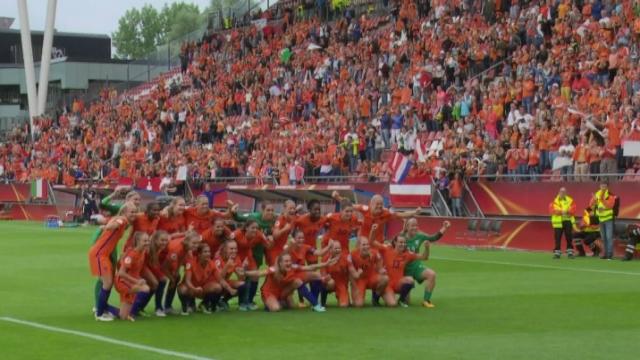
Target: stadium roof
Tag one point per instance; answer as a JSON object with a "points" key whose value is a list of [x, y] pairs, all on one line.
{"points": [[56, 33]]}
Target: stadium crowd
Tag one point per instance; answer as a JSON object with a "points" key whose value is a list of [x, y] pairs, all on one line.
{"points": [[475, 87]]}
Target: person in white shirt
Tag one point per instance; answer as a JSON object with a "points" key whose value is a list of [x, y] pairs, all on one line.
{"points": [[564, 160]]}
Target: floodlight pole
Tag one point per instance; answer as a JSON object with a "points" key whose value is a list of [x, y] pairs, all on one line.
{"points": [[27, 56], [45, 62]]}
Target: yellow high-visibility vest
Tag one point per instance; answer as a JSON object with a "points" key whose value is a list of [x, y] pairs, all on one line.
{"points": [[586, 223], [603, 213], [562, 205]]}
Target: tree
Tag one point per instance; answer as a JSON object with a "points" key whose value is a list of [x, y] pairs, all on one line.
{"points": [[180, 19], [142, 31]]}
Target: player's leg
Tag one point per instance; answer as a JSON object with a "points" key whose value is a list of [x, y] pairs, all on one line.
{"points": [[358, 288], [328, 286], [212, 293], [429, 276], [591, 239], [185, 298], [311, 295], [106, 276], [271, 303], [378, 287], [342, 293], [404, 289], [174, 278], [141, 296]]}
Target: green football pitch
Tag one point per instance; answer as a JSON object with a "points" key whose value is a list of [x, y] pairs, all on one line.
{"points": [[490, 305]]}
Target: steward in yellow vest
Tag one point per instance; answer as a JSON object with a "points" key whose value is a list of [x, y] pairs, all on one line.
{"points": [[562, 210], [587, 233], [603, 202]]}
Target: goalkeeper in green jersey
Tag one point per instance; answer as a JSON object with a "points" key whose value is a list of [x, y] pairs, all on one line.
{"points": [[417, 269]]}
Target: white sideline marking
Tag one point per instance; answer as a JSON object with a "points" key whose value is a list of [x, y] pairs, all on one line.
{"points": [[539, 266], [105, 339]]}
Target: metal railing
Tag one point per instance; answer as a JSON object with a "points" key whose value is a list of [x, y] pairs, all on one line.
{"points": [[439, 203], [557, 177]]}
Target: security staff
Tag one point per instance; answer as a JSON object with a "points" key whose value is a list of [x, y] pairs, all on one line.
{"points": [[562, 211], [587, 233], [603, 202], [634, 239]]}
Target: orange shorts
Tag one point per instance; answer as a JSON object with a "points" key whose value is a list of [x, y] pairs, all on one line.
{"points": [[124, 289], [393, 286], [100, 264], [266, 293], [370, 283]]}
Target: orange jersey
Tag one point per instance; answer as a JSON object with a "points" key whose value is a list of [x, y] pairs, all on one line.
{"points": [[108, 239], [339, 271], [172, 224], [201, 222], [302, 254], [310, 228], [280, 241], [201, 275], [141, 223], [369, 264], [132, 263], [227, 268], [369, 219], [340, 230], [177, 255], [215, 241], [245, 245], [394, 262], [274, 283]]}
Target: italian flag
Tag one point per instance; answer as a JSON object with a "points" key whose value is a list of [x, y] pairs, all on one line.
{"points": [[39, 189]]}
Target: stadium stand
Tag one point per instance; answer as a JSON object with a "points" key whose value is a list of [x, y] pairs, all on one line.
{"points": [[487, 89]]}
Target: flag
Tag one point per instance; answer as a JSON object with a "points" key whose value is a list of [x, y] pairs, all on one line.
{"points": [[413, 192], [39, 189], [400, 166], [422, 150]]}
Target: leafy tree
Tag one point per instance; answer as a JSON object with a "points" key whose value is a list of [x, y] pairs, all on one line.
{"points": [[142, 31]]}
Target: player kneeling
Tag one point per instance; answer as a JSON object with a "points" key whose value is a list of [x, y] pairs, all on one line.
{"points": [[366, 272], [133, 289], [395, 258], [283, 279], [336, 277], [201, 280], [228, 264]]}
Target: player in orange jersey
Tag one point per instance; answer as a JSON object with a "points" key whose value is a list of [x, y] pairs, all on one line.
{"points": [[375, 213], [155, 259], [282, 279], [247, 238], [365, 265], [172, 219], [302, 254], [201, 280], [133, 289], [99, 257], [146, 222], [395, 257], [178, 253], [216, 235], [311, 223], [336, 277], [281, 231], [229, 264], [200, 217], [341, 225]]}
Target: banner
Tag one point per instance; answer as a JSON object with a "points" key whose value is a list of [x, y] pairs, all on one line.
{"points": [[39, 189], [631, 148], [412, 193]]}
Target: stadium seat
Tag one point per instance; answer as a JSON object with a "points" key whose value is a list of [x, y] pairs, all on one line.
{"points": [[496, 227]]}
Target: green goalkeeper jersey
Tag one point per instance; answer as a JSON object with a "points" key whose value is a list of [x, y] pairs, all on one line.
{"points": [[414, 243]]}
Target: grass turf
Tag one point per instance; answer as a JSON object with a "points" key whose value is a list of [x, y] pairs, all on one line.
{"points": [[490, 305]]}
